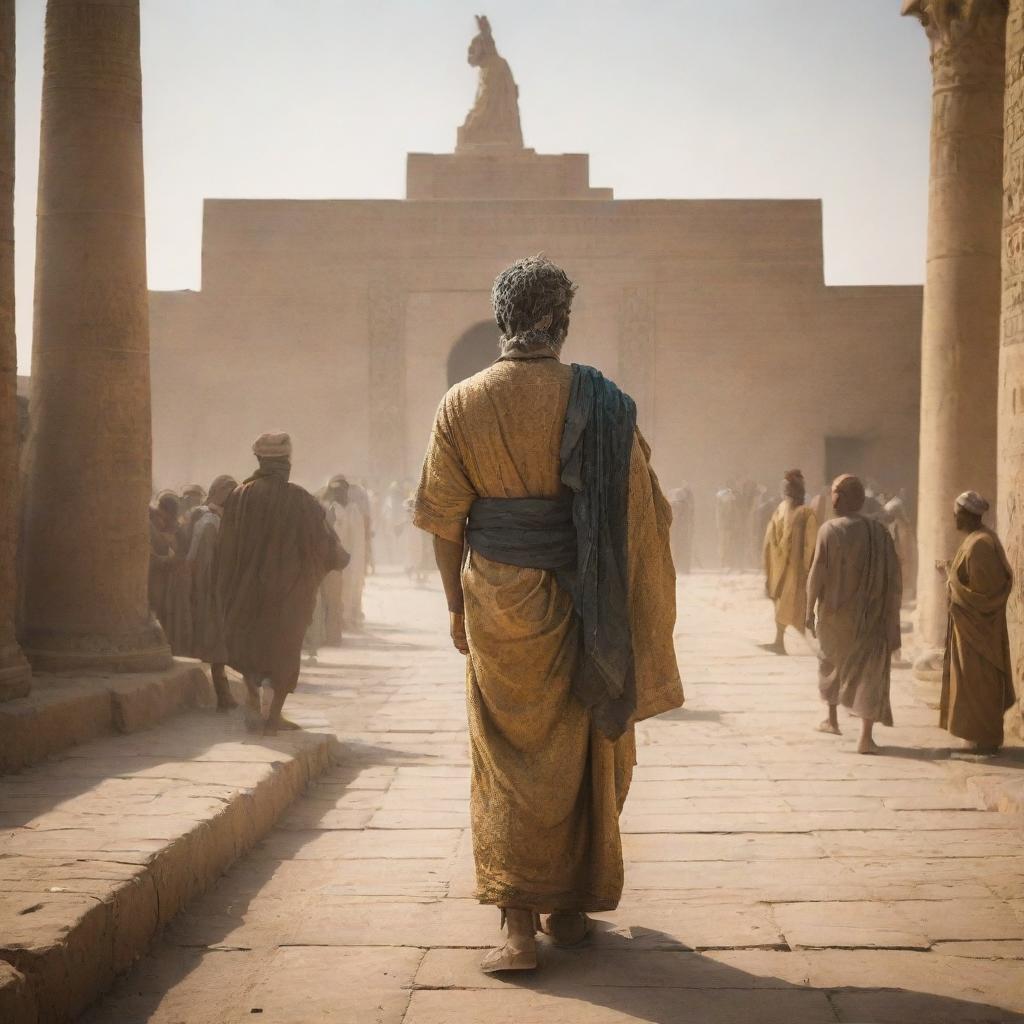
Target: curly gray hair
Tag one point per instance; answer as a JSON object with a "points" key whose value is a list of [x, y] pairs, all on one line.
{"points": [[532, 300]]}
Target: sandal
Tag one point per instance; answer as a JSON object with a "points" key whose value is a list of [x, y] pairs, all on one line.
{"points": [[506, 958], [567, 927]]}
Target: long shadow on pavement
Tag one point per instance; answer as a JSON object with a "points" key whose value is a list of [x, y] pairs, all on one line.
{"points": [[647, 976]]}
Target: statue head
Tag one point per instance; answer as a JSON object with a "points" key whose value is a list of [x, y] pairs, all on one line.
{"points": [[482, 45], [532, 301]]}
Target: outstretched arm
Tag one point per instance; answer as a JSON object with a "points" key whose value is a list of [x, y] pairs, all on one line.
{"points": [[449, 554]]}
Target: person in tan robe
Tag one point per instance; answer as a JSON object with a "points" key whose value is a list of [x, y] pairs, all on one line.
{"points": [[549, 775], [977, 676], [788, 551], [273, 550], [855, 587]]}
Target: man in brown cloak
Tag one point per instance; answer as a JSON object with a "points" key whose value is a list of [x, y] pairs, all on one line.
{"points": [[855, 585], [977, 677], [273, 550]]}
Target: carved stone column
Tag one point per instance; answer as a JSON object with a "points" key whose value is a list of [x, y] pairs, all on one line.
{"points": [[14, 671], [89, 483], [960, 337], [1011, 351]]}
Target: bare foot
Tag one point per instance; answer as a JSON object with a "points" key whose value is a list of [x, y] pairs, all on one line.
{"points": [[868, 747], [774, 649], [827, 726], [279, 724]]}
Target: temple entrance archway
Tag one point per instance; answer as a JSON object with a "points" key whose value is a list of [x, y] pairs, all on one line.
{"points": [[473, 352]]}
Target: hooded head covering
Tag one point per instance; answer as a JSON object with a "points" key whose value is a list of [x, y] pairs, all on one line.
{"points": [[971, 501], [852, 489], [275, 445], [221, 488]]}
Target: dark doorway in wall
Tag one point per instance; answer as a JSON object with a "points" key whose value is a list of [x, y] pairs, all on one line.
{"points": [[473, 352], [845, 455]]}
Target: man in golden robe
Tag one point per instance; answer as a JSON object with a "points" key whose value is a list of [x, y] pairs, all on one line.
{"points": [[788, 552], [854, 584], [552, 537], [977, 677]]}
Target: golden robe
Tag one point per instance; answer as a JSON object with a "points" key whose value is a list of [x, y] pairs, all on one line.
{"points": [[789, 545], [977, 678], [546, 786]]}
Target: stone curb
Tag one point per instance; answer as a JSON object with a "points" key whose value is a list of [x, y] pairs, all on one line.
{"points": [[64, 962], [64, 711], [995, 792]]}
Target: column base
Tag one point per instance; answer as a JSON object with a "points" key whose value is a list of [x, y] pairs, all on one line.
{"points": [[145, 650], [15, 674], [928, 676]]}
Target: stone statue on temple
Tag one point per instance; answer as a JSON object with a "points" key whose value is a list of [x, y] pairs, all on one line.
{"points": [[494, 119]]}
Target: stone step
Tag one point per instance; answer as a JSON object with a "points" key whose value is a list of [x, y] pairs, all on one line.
{"points": [[101, 847], [65, 710]]}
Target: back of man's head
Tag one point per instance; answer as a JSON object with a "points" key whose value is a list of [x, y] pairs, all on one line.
{"points": [[847, 494]]}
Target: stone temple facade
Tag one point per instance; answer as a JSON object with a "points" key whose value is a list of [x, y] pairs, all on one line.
{"points": [[344, 322]]}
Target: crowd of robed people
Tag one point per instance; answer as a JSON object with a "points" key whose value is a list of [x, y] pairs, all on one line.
{"points": [[553, 541], [250, 576], [841, 578]]}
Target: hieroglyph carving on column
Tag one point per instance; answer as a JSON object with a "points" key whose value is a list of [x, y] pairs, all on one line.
{"points": [[960, 331], [14, 671], [1011, 355], [637, 348], [386, 312], [89, 451]]}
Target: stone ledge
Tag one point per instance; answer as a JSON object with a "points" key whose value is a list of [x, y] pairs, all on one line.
{"points": [[64, 710], [101, 848], [17, 1000]]}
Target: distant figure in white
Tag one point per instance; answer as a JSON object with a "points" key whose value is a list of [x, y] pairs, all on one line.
{"points": [[348, 520]]}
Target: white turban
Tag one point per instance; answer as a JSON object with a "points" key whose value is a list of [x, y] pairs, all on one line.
{"points": [[272, 446], [972, 501]]}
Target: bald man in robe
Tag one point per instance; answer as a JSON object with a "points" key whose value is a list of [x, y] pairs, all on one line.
{"points": [[854, 591], [788, 551], [977, 677]]}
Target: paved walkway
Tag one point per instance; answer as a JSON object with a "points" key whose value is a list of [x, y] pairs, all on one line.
{"points": [[773, 875]]}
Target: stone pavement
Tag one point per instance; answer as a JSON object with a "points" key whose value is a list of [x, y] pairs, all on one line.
{"points": [[773, 875]]}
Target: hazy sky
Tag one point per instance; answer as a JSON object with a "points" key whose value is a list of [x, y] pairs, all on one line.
{"points": [[672, 98]]}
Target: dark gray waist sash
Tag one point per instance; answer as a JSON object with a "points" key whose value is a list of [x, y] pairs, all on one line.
{"points": [[532, 533]]}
